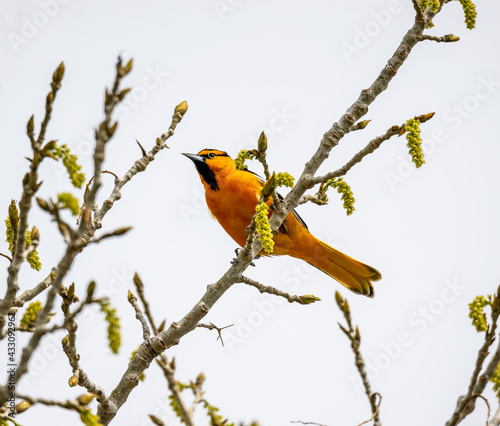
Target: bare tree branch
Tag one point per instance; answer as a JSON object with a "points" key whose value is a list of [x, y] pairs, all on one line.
{"points": [[146, 333], [303, 300], [172, 335], [368, 149], [168, 368], [69, 346], [68, 403], [89, 226], [376, 411], [354, 336], [39, 288], [478, 381], [30, 186], [140, 291]]}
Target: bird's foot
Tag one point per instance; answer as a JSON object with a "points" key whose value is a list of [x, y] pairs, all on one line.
{"points": [[235, 260]]}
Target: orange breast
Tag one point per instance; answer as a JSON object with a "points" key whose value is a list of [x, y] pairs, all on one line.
{"points": [[233, 205]]}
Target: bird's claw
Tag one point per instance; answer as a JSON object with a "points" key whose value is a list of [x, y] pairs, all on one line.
{"points": [[236, 260]]}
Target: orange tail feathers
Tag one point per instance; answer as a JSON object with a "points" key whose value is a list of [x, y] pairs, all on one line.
{"points": [[349, 272]]}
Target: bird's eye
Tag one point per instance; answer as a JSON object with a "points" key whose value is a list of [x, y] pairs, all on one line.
{"points": [[211, 155]]}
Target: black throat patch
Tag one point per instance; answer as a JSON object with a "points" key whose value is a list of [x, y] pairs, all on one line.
{"points": [[207, 174]]}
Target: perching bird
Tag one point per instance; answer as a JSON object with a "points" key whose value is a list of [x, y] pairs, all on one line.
{"points": [[232, 196]]}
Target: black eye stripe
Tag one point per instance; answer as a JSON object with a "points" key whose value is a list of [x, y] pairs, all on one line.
{"points": [[213, 154]]}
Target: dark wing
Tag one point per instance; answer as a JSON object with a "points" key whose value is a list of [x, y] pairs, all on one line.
{"points": [[294, 212]]}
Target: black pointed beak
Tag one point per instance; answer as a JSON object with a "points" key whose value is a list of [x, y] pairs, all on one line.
{"points": [[194, 157]]}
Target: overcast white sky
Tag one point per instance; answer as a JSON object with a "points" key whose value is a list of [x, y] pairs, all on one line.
{"points": [[292, 68]]}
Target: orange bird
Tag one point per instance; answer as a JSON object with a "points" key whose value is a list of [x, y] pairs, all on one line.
{"points": [[232, 196]]}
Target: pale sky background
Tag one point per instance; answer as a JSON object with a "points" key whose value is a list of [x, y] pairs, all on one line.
{"points": [[291, 67]]}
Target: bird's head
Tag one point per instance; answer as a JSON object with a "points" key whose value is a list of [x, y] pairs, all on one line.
{"points": [[212, 164]]}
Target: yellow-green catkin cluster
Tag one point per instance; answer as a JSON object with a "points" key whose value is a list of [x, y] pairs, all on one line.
{"points": [[242, 156], [344, 189], [175, 406], [433, 4], [414, 141], [495, 379], [284, 179], [469, 13], [33, 258], [263, 227], [11, 226], [30, 316], [476, 312], [70, 162], [66, 200], [114, 337], [88, 418]]}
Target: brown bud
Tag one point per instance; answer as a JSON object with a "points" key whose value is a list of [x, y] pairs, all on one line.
{"points": [[346, 308], [339, 299], [71, 292], [131, 298], [451, 38], [43, 204], [138, 282], [181, 108], [121, 231], [22, 406], [262, 143], [123, 93], [309, 298], [85, 399], [58, 73], [200, 380], [111, 130], [30, 125], [362, 124], [156, 420], [35, 235], [128, 66], [90, 289]]}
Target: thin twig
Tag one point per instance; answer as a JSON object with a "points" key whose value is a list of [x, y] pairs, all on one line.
{"points": [[319, 199], [303, 300], [478, 381], [495, 421], [162, 361], [7, 257], [354, 336], [448, 38], [146, 333], [487, 405], [169, 371], [376, 411], [30, 186], [212, 326], [68, 404], [139, 285], [39, 288], [69, 348]]}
